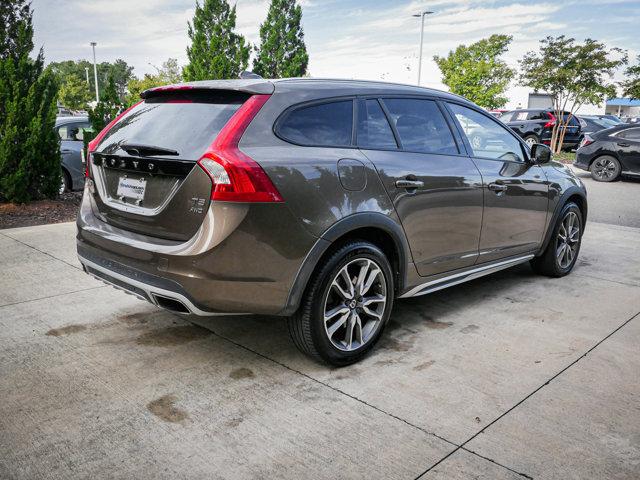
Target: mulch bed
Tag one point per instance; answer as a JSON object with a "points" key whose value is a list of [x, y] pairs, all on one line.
{"points": [[40, 212]]}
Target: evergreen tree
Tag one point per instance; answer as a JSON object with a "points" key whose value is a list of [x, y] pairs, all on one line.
{"points": [[29, 148], [216, 50], [282, 52]]}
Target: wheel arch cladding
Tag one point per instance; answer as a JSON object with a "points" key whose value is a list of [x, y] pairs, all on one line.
{"points": [[572, 194], [375, 228]]}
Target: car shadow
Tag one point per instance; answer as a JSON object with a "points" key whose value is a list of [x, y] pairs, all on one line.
{"points": [[269, 336]]}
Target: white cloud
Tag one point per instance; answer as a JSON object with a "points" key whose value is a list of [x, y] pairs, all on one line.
{"points": [[365, 39]]}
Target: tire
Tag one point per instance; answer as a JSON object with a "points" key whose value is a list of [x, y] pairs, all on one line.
{"points": [[550, 263], [605, 169], [531, 139], [327, 342], [65, 183]]}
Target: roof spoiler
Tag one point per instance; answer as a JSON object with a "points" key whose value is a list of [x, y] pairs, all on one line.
{"points": [[253, 86]]}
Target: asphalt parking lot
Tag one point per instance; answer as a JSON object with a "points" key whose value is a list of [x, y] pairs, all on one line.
{"points": [[510, 376]]}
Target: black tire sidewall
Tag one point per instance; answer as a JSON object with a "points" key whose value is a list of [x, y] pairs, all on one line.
{"points": [[569, 207], [347, 254]]}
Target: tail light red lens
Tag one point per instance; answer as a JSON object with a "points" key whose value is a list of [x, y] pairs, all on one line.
{"points": [[586, 140], [552, 120], [93, 144], [235, 176]]}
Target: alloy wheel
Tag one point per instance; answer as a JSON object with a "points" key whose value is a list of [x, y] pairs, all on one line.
{"points": [[568, 240], [63, 186], [604, 168], [530, 141], [355, 304]]}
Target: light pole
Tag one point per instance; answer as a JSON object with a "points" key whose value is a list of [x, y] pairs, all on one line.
{"points": [[95, 70], [421, 15], [86, 73]]}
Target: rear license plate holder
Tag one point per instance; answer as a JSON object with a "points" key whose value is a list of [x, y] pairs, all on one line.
{"points": [[131, 188]]}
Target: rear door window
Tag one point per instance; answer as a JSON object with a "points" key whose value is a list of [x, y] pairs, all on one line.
{"points": [[187, 122], [324, 125], [506, 117], [374, 130], [520, 116], [73, 131], [421, 126], [631, 134]]}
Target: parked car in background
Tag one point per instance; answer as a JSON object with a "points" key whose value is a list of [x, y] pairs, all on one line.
{"points": [[594, 123], [613, 118], [319, 200], [536, 126], [497, 112], [632, 119], [71, 132], [610, 153]]}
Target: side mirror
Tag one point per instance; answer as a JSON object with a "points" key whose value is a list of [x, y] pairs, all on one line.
{"points": [[540, 154]]}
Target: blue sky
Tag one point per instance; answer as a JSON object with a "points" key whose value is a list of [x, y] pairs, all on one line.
{"points": [[365, 39]]}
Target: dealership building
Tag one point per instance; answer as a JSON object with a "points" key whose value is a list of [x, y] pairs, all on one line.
{"points": [[623, 107]]}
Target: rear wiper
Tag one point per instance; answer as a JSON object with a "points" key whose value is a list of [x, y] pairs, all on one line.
{"points": [[141, 150]]}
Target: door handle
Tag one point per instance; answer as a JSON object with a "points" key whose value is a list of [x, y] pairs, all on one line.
{"points": [[65, 150], [409, 184], [497, 187], [622, 144]]}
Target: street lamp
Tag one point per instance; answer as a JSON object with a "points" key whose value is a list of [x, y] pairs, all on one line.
{"points": [[421, 15], [86, 74], [95, 70]]}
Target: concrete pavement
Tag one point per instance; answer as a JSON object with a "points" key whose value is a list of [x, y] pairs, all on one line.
{"points": [[510, 376], [616, 203]]}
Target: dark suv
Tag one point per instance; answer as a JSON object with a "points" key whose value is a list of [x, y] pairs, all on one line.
{"points": [[319, 200], [536, 126]]}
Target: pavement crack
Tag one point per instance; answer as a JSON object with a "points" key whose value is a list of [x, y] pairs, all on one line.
{"points": [[41, 251], [335, 389], [606, 279], [52, 296], [505, 413]]}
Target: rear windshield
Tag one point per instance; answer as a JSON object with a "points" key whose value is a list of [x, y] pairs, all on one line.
{"points": [[186, 122]]}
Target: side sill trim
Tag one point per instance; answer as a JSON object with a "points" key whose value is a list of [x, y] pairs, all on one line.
{"points": [[462, 277], [150, 290]]}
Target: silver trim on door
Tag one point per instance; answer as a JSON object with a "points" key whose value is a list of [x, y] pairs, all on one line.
{"points": [[455, 279]]}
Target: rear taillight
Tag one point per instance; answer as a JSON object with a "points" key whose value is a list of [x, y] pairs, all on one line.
{"points": [[93, 144], [586, 140], [235, 176], [552, 120]]}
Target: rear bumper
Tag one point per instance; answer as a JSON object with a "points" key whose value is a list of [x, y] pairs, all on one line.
{"points": [[244, 259], [170, 296], [583, 159]]}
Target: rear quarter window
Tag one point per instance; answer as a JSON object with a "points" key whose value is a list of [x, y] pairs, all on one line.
{"points": [[324, 125]]}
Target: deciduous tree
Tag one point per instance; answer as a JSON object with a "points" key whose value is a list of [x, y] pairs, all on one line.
{"points": [[573, 74], [282, 51], [477, 72], [167, 74], [631, 86], [216, 50]]}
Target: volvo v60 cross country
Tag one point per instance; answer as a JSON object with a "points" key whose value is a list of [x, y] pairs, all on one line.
{"points": [[319, 200]]}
